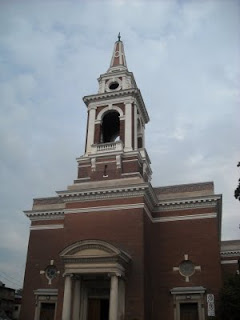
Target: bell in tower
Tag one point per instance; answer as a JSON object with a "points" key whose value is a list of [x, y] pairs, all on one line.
{"points": [[115, 144]]}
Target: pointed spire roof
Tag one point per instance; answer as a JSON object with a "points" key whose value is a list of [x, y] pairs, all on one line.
{"points": [[118, 60]]}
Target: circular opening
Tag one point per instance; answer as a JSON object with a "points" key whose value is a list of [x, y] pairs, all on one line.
{"points": [[113, 85], [51, 272], [187, 268]]}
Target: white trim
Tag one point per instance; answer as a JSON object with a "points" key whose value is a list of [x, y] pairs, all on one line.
{"points": [[204, 199], [91, 129], [110, 101], [186, 217], [230, 253], [130, 160], [135, 127], [105, 208], [109, 161], [128, 126], [229, 262], [130, 174], [47, 227], [83, 165], [82, 179], [110, 107]]}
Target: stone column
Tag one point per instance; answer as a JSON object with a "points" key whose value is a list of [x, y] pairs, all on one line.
{"points": [[113, 303], [135, 127], [91, 128], [76, 299], [84, 303], [66, 312], [128, 126], [121, 299]]}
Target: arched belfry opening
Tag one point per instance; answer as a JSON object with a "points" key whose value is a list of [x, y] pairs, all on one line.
{"points": [[110, 127]]}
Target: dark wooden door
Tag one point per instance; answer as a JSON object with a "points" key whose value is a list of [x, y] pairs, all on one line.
{"points": [[47, 311], [188, 311], [98, 309], [94, 309]]}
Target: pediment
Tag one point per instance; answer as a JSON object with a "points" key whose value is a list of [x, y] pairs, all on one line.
{"points": [[90, 249], [94, 256], [91, 252]]}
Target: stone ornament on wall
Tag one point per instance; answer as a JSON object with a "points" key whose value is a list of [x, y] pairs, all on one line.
{"points": [[50, 272], [187, 268], [211, 306]]}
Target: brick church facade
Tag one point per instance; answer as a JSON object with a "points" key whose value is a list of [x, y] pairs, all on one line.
{"points": [[112, 246]]}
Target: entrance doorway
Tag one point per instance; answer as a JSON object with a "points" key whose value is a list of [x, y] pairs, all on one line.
{"points": [[47, 311], [189, 311], [98, 309]]}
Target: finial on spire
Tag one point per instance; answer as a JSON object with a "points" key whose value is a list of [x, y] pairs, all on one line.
{"points": [[118, 58]]}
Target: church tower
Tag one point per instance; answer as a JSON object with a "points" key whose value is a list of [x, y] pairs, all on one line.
{"points": [[115, 142], [111, 246]]}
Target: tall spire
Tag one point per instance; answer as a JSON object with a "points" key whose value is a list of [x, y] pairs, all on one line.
{"points": [[118, 60]]}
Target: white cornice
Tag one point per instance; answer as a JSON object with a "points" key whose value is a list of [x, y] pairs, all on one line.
{"points": [[229, 262], [179, 204], [230, 253], [47, 227], [44, 215], [103, 193], [186, 217], [105, 208]]}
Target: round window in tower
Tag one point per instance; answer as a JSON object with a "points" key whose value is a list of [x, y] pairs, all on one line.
{"points": [[113, 85]]}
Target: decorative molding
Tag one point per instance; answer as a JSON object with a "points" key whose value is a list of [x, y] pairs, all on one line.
{"points": [[186, 217], [130, 160], [105, 208], [187, 290], [180, 204], [46, 292], [110, 107], [134, 93], [45, 215], [230, 253], [103, 193], [47, 227], [229, 261]]}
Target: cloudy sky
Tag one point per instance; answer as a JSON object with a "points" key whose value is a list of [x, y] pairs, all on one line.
{"points": [[185, 58]]}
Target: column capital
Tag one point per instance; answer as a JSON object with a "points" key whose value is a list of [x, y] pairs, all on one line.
{"points": [[92, 107], [65, 274], [117, 274], [76, 276], [129, 101]]}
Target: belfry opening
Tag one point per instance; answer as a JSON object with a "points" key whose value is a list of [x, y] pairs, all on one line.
{"points": [[110, 127]]}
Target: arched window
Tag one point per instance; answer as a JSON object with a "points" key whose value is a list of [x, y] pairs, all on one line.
{"points": [[110, 127]]}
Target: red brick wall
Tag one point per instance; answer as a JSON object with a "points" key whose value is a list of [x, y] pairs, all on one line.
{"points": [[170, 241], [155, 249], [44, 246]]}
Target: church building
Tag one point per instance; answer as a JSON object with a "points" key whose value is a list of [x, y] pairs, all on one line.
{"points": [[112, 246]]}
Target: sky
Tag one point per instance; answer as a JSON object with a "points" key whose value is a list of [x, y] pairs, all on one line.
{"points": [[185, 56]]}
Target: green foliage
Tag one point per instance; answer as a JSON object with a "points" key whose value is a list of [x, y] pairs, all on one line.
{"points": [[230, 298], [237, 191]]}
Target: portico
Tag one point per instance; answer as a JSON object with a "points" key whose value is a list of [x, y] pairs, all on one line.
{"points": [[94, 285]]}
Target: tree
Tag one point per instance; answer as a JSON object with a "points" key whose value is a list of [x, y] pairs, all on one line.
{"points": [[237, 191], [230, 298]]}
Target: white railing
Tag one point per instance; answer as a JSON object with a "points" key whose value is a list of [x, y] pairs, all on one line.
{"points": [[107, 147]]}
